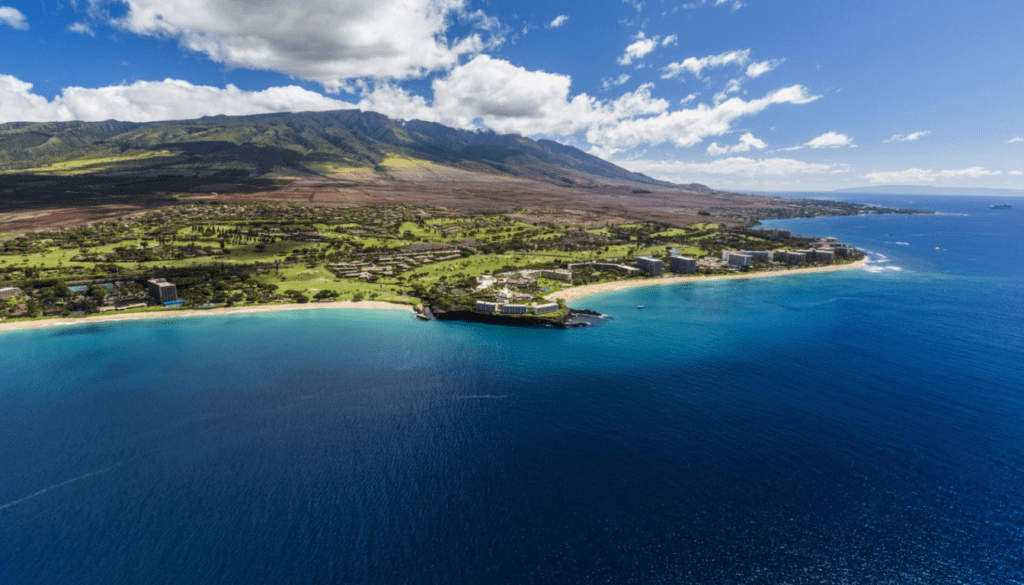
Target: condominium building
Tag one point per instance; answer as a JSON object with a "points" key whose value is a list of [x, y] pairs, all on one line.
{"points": [[827, 256], [486, 307], [515, 309], [8, 292], [558, 274], [682, 265], [164, 291], [790, 257], [741, 260], [778, 233], [650, 265], [547, 308]]}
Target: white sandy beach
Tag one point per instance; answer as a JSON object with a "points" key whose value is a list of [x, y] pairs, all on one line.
{"points": [[569, 295], [177, 313], [579, 292]]}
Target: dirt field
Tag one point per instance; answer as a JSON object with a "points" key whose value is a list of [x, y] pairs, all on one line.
{"points": [[29, 203]]}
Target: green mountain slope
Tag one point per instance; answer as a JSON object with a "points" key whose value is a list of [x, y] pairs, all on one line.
{"points": [[311, 143]]}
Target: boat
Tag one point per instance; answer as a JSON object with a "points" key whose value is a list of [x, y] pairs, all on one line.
{"points": [[1002, 206], [639, 306]]}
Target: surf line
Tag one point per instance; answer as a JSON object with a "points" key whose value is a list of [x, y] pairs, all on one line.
{"points": [[55, 486]]}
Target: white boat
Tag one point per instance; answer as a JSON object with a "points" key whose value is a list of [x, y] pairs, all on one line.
{"points": [[639, 306]]}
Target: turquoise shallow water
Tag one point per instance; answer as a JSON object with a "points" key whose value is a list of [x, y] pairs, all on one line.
{"points": [[851, 427]]}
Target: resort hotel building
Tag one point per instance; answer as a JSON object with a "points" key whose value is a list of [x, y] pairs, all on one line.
{"points": [[650, 265], [164, 291]]}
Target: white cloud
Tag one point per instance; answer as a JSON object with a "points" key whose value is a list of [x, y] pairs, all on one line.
{"points": [[736, 5], [826, 140], [83, 28], [918, 174], [610, 83], [909, 137], [760, 68], [146, 101], [747, 142], [1014, 140], [733, 86], [670, 40], [830, 140], [970, 173], [13, 18], [695, 65], [639, 49], [1016, 173], [688, 127], [508, 98], [328, 41], [21, 105], [558, 21], [397, 103], [495, 94], [685, 172]]}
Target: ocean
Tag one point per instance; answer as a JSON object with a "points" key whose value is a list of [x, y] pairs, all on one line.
{"points": [[861, 426]]}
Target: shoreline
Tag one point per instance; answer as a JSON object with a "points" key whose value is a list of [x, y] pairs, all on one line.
{"points": [[578, 292], [179, 313]]}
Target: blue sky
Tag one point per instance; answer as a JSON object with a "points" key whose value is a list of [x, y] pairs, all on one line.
{"points": [[739, 94]]}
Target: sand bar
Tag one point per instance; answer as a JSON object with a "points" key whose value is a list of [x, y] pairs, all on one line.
{"points": [[579, 292], [177, 313]]}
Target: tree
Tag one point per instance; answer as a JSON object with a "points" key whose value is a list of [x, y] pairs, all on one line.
{"points": [[97, 292]]}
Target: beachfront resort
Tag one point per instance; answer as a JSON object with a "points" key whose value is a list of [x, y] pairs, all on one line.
{"points": [[214, 255]]}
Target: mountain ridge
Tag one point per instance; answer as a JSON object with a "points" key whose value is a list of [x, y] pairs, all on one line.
{"points": [[303, 144]]}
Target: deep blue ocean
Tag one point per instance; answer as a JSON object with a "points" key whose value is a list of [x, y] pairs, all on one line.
{"points": [[864, 426]]}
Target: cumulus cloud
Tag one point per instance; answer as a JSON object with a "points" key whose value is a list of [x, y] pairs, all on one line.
{"points": [[688, 99], [738, 58], [909, 137], [639, 49], [610, 83], [147, 101], [826, 140], [697, 64], [739, 166], [1014, 140], [495, 94], [395, 102], [747, 142], [13, 18], [760, 68], [733, 86], [82, 28], [830, 140], [688, 127], [670, 40], [918, 174], [508, 98], [328, 41], [558, 21], [1015, 173]]}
